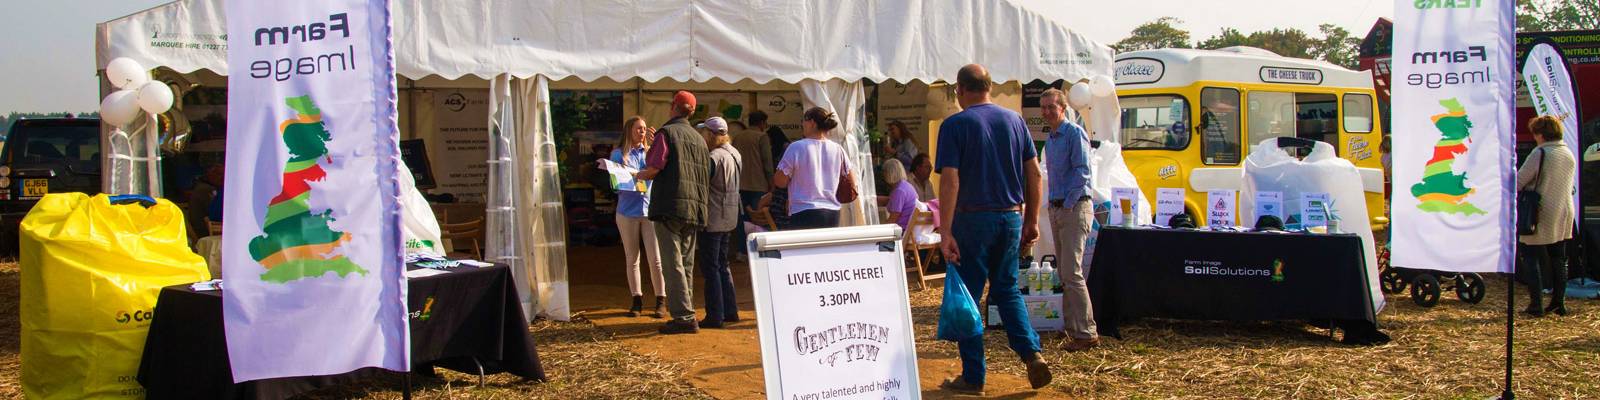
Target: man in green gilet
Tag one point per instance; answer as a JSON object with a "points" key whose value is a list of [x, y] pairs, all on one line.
{"points": [[678, 161]]}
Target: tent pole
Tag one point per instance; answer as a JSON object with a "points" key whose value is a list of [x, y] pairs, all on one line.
{"points": [[1511, 300]]}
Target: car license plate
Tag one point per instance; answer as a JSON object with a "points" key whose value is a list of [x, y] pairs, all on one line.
{"points": [[35, 187]]}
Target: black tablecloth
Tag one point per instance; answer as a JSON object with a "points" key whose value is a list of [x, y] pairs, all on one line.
{"points": [[474, 317], [1204, 275], [1589, 236]]}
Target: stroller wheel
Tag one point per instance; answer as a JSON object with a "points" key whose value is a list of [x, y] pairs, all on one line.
{"points": [[1425, 290], [1391, 281], [1470, 288]]}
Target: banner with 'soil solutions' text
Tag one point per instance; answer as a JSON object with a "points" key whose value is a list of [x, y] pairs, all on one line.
{"points": [[311, 244], [1454, 177]]}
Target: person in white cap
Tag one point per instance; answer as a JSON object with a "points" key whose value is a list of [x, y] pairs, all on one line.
{"points": [[722, 215]]}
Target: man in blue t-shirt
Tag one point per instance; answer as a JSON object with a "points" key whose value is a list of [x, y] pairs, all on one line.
{"points": [[990, 190]]}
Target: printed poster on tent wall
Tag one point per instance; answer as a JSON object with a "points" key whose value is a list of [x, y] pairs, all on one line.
{"points": [[1454, 173], [312, 249], [784, 110], [461, 145]]}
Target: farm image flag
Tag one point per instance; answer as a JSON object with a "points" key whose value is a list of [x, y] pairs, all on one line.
{"points": [[312, 250], [1454, 173]]}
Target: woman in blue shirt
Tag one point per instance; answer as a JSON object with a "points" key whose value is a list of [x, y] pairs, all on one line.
{"points": [[632, 223]]}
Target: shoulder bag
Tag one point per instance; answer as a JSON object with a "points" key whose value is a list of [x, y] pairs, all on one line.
{"points": [[1528, 202]]}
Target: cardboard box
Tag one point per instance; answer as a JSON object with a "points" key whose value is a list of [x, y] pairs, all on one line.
{"points": [[1044, 312]]}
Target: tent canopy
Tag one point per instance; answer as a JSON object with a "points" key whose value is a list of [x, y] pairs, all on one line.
{"points": [[733, 40], [825, 47]]}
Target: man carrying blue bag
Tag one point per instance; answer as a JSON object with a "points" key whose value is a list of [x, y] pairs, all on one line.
{"points": [[987, 148]]}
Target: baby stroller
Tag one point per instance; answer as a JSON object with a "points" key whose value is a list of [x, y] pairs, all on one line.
{"points": [[1427, 285]]}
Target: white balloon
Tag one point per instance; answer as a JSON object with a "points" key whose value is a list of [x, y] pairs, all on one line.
{"points": [[119, 107], [125, 73], [1103, 86], [1079, 95], [155, 97]]}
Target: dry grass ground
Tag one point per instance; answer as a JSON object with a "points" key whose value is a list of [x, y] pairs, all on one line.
{"points": [[1453, 350]]}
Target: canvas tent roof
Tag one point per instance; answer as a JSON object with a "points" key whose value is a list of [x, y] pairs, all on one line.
{"points": [[733, 40]]}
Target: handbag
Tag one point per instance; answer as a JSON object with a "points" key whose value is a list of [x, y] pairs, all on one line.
{"points": [[846, 192], [1528, 202]]}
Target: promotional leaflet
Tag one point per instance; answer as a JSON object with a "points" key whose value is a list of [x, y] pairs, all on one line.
{"points": [[1314, 210], [1169, 202], [1269, 203], [1220, 208], [1124, 202]]}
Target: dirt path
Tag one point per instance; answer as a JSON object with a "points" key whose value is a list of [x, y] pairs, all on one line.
{"points": [[726, 363]]}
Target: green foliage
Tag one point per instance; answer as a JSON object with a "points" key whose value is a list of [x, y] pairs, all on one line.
{"points": [[569, 115], [1159, 34], [1337, 46], [1557, 15]]}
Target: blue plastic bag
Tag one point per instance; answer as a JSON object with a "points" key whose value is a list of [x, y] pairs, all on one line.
{"points": [[959, 318]]}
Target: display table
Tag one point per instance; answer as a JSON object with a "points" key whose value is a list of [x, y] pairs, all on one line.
{"points": [[1233, 276], [459, 320], [1589, 235]]}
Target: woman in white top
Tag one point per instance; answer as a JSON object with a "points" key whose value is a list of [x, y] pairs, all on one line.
{"points": [[810, 170]]}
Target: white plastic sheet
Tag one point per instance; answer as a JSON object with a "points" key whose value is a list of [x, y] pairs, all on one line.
{"points": [[1270, 168], [418, 226]]}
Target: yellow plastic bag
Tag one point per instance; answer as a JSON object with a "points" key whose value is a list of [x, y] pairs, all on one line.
{"points": [[90, 275]]}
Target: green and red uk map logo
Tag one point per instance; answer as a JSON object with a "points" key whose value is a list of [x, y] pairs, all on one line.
{"points": [[297, 243], [1442, 190]]}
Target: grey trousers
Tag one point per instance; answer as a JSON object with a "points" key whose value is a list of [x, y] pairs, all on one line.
{"points": [[1072, 226], [677, 247]]}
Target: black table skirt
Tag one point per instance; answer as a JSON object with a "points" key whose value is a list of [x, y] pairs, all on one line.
{"points": [[1233, 276], [474, 319]]}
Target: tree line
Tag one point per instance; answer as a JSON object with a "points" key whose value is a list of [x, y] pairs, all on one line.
{"points": [[1335, 44], [7, 120]]}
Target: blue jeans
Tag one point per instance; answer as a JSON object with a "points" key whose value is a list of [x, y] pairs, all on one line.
{"points": [[720, 302], [988, 244]]}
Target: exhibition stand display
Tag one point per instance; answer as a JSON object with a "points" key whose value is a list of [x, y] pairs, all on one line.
{"points": [[519, 50], [466, 319], [1232, 276]]}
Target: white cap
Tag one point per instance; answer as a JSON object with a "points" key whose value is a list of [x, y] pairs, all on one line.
{"points": [[715, 124]]}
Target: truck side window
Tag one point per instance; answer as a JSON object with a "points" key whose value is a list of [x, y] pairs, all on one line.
{"points": [[1219, 126], [1357, 113]]}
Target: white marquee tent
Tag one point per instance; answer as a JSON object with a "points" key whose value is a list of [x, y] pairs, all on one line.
{"points": [[519, 49]]}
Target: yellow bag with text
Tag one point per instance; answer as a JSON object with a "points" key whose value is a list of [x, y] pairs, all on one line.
{"points": [[90, 275]]}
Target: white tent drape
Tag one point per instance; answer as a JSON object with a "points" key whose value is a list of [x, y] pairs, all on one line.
{"points": [[526, 223], [849, 101]]}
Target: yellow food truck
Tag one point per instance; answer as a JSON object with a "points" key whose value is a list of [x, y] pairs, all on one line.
{"points": [[1189, 117]]}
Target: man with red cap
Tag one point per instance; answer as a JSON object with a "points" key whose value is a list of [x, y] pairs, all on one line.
{"points": [[679, 162]]}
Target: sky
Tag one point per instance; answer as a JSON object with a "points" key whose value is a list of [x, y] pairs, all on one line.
{"points": [[47, 60]]}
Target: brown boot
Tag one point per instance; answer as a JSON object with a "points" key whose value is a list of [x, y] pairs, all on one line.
{"points": [[960, 386], [1038, 371], [661, 307], [1074, 344]]}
